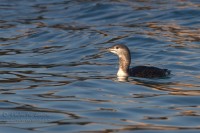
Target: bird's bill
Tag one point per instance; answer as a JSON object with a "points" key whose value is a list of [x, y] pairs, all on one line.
{"points": [[112, 50]]}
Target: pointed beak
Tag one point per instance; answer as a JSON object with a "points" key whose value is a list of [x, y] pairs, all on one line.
{"points": [[111, 49], [106, 49]]}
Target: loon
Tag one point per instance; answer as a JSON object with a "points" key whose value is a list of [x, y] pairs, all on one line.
{"points": [[139, 71]]}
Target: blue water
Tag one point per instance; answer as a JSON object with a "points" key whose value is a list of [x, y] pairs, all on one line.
{"points": [[55, 78]]}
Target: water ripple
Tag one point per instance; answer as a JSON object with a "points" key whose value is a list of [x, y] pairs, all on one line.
{"points": [[55, 77]]}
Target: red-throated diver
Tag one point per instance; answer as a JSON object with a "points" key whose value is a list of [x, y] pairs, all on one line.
{"points": [[139, 71]]}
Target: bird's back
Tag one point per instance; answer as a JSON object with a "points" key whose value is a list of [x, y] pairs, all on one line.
{"points": [[148, 72]]}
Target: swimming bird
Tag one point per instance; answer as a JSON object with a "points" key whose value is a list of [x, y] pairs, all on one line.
{"points": [[124, 55]]}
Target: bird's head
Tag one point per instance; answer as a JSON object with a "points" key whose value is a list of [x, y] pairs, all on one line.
{"points": [[120, 50]]}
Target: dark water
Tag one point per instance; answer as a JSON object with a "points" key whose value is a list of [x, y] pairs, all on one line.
{"points": [[54, 77]]}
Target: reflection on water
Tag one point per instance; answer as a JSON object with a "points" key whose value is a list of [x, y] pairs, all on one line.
{"points": [[55, 77], [180, 35]]}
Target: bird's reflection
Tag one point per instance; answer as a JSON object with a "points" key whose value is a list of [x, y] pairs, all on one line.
{"points": [[122, 79], [173, 88]]}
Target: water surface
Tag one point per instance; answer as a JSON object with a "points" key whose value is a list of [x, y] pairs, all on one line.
{"points": [[55, 78]]}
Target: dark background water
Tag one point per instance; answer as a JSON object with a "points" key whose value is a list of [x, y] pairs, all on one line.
{"points": [[54, 77]]}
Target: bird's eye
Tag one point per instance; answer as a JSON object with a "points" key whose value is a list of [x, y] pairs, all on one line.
{"points": [[116, 47]]}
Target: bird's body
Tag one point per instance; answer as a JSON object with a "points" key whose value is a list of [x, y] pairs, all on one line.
{"points": [[139, 71], [148, 72]]}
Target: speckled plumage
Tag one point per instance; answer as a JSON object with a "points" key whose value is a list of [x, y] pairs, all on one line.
{"points": [[139, 71], [148, 72]]}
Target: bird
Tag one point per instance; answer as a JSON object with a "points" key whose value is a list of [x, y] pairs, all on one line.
{"points": [[123, 52]]}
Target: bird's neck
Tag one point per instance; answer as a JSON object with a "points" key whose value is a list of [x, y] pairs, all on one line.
{"points": [[124, 62]]}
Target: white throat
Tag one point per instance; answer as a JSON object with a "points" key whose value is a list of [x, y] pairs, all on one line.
{"points": [[121, 73]]}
